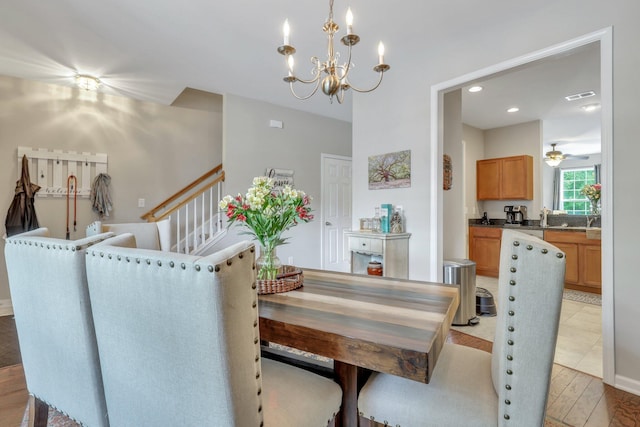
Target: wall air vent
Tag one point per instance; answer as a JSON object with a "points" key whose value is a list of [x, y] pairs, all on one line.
{"points": [[580, 95]]}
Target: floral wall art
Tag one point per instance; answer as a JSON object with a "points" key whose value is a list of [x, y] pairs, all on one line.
{"points": [[391, 170]]}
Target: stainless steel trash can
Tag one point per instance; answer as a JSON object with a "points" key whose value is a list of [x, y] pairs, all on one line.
{"points": [[462, 272]]}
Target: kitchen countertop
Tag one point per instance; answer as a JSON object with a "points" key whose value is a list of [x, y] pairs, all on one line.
{"points": [[531, 225]]}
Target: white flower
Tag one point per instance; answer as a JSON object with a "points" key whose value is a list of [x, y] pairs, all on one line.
{"points": [[225, 202]]}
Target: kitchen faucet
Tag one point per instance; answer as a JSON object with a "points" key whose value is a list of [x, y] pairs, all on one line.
{"points": [[590, 221]]}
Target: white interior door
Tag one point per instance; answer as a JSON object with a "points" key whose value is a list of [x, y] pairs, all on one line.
{"points": [[336, 212]]}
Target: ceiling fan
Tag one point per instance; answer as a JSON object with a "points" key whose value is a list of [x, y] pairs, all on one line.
{"points": [[554, 157]]}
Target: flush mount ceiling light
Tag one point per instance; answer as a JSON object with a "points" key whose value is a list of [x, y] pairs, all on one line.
{"points": [[474, 89], [87, 82], [554, 157], [336, 76], [513, 110]]}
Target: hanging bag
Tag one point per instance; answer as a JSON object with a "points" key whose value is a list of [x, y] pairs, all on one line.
{"points": [[21, 215]]}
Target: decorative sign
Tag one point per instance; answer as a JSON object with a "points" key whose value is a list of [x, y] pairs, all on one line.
{"points": [[281, 177], [392, 170]]}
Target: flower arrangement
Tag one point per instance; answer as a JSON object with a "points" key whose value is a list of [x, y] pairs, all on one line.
{"points": [[267, 212], [592, 192]]}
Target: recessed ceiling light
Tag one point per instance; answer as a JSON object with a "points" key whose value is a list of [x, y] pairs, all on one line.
{"points": [[590, 107], [577, 96], [474, 89], [87, 82], [513, 110]]}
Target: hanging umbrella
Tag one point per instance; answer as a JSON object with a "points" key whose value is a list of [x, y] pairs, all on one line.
{"points": [[21, 216]]}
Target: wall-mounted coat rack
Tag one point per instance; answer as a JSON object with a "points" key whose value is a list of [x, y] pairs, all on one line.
{"points": [[50, 169]]}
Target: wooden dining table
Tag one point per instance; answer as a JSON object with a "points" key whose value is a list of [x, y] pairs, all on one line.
{"points": [[365, 324]]}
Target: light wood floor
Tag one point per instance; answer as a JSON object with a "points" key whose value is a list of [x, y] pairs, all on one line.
{"points": [[575, 398], [579, 344]]}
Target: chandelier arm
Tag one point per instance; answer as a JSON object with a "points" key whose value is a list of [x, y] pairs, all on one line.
{"points": [[366, 90], [302, 98], [347, 67], [317, 71], [316, 79]]}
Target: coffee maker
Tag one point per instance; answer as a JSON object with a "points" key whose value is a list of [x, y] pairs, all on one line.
{"points": [[515, 214]]}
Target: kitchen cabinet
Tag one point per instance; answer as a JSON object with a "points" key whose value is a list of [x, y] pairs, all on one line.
{"points": [[505, 178], [391, 249], [583, 257], [484, 250]]}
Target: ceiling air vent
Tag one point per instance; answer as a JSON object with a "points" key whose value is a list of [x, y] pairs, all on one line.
{"points": [[580, 95]]}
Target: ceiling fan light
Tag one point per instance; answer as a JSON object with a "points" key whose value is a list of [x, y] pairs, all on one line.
{"points": [[553, 162]]}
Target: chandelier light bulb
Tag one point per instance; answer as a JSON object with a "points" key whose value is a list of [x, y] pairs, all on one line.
{"points": [[286, 31], [349, 21], [381, 53], [290, 63]]}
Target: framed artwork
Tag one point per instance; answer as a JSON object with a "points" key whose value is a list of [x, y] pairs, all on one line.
{"points": [[447, 171], [391, 170]]}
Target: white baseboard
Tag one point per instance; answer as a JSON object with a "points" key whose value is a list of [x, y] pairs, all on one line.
{"points": [[628, 385], [6, 309]]}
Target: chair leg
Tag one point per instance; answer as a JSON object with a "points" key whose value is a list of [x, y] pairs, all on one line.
{"points": [[38, 412]]}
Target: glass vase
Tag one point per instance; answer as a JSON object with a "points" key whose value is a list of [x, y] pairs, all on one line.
{"points": [[595, 207], [268, 264]]}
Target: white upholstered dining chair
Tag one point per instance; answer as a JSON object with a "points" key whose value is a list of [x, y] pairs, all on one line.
{"points": [[50, 298], [179, 343], [470, 387]]}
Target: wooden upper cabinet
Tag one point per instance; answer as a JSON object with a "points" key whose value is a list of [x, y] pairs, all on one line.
{"points": [[505, 178]]}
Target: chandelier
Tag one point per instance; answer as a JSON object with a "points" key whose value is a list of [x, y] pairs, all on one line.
{"points": [[330, 75]]}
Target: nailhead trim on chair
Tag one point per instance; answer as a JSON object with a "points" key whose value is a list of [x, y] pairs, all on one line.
{"points": [[66, 247], [216, 269], [511, 313], [511, 319]]}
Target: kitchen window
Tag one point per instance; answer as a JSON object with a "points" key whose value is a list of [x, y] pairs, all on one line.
{"points": [[571, 182]]}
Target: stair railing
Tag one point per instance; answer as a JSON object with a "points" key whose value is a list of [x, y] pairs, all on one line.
{"points": [[197, 222]]}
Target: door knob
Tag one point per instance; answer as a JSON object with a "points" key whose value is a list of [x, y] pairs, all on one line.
{"points": [[327, 223]]}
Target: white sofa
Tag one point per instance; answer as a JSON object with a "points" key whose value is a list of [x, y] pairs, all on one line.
{"points": [[148, 235]]}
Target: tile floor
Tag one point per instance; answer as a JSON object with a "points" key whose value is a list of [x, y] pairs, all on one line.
{"points": [[579, 344]]}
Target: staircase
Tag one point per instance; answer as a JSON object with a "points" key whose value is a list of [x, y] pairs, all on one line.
{"points": [[196, 224]]}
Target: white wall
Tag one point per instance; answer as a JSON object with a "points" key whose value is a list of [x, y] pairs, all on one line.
{"points": [[153, 150], [455, 245], [251, 146], [397, 117], [473, 139]]}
